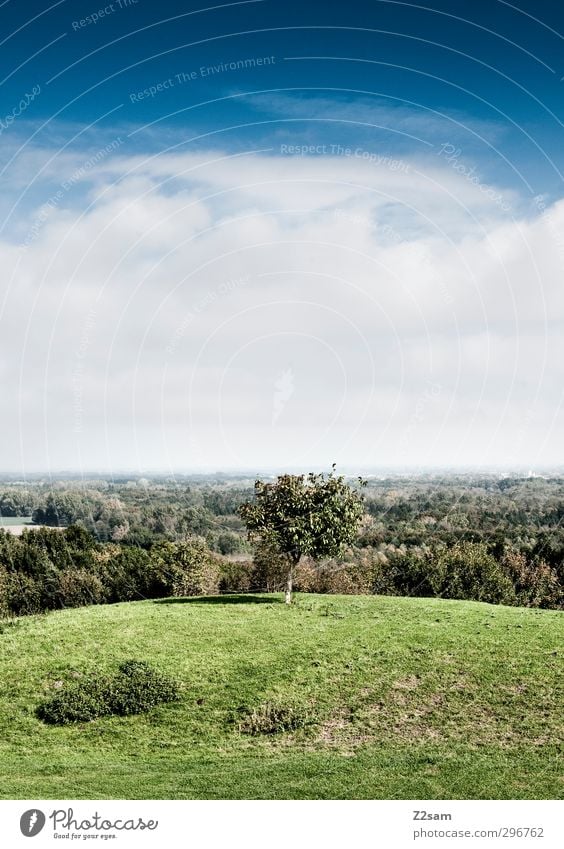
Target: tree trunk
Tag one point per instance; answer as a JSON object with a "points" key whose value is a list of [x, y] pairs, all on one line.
{"points": [[295, 559], [288, 595]]}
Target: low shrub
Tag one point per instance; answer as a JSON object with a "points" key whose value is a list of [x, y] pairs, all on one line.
{"points": [[357, 572], [22, 595], [237, 576], [77, 587], [185, 568], [126, 572], [536, 583], [469, 571], [273, 717], [80, 701], [138, 688], [270, 568], [135, 688]]}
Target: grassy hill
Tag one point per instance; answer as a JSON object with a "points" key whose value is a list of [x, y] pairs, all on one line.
{"points": [[408, 698]]}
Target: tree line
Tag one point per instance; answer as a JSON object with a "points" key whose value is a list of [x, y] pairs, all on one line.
{"points": [[484, 538]]}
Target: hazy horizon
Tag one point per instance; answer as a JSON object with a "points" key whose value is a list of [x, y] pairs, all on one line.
{"points": [[348, 471]]}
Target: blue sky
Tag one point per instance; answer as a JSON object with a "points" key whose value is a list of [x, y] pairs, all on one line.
{"points": [[264, 234], [494, 69]]}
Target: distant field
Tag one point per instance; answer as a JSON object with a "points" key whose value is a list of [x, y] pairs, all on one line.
{"points": [[15, 524], [409, 698], [11, 521]]}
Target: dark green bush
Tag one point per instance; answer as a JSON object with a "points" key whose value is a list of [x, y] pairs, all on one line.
{"points": [[230, 543], [466, 570], [47, 569], [138, 688], [469, 571], [237, 576], [135, 688], [80, 701], [78, 587], [22, 594], [270, 568], [185, 568], [126, 572], [536, 583]]}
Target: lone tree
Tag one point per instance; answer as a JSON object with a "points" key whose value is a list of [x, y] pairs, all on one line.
{"points": [[303, 515]]}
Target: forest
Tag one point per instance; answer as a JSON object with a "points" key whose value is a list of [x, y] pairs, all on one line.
{"points": [[482, 537]]}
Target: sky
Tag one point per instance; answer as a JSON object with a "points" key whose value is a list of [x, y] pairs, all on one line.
{"points": [[264, 235]]}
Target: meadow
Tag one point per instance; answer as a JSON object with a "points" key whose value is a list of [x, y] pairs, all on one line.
{"points": [[401, 698], [16, 524]]}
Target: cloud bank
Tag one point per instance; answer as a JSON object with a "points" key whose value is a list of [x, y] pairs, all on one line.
{"points": [[275, 308]]}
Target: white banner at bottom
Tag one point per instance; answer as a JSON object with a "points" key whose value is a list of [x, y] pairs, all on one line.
{"points": [[292, 824]]}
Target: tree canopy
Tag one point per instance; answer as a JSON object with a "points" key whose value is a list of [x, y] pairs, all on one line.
{"points": [[299, 515]]}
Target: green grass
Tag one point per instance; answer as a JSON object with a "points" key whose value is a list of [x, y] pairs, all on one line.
{"points": [[407, 698]]}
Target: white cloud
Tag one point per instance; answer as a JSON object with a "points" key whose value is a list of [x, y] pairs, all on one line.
{"points": [[151, 315]]}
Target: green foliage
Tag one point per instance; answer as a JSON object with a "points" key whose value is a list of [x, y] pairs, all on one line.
{"points": [[137, 513], [185, 568], [465, 571], [47, 569], [298, 515], [229, 543], [420, 511], [21, 594], [111, 553], [78, 702], [237, 576], [126, 572], [18, 502], [468, 571], [136, 688], [79, 587], [536, 583], [304, 515], [270, 566], [344, 576]]}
